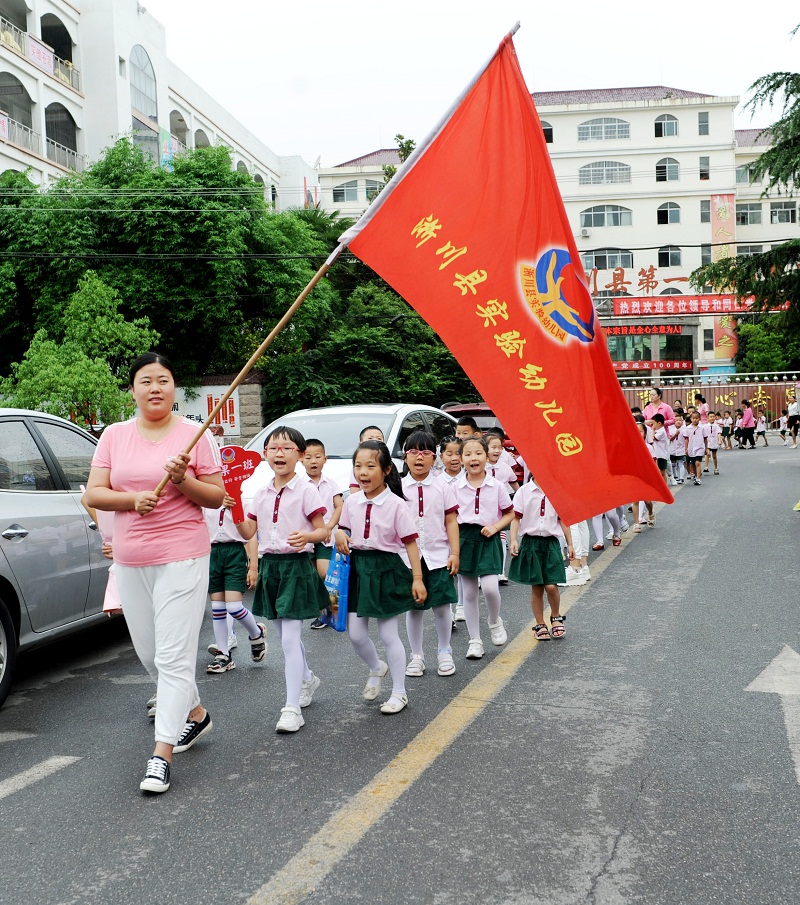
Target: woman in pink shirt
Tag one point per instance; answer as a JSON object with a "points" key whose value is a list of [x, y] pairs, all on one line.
{"points": [[702, 406], [748, 426], [161, 548]]}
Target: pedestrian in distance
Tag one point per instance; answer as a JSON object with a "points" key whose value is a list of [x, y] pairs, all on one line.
{"points": [[233, 568], [433, 507], [289, 516], [761, 429], [161, 549], [714, 440], [374, 529], [696, 439], [484, 509], [748, 425], [536, 556]]}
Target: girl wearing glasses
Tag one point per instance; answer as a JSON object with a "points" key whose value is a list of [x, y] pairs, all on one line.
{"points": [[289, 515], [433, 507], [379, 528], [536, 558], [484, 509]]}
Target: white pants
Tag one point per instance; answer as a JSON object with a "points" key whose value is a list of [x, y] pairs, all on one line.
{"points": [[163, 607], [580, 539]]}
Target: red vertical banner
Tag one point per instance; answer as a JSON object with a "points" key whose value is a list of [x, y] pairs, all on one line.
{"points": [[726, 342], [723, 226], [474, 235]]}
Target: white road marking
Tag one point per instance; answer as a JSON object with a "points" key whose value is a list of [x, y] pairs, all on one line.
{"points": [[34, 774], [15, 736], [782, 677]]}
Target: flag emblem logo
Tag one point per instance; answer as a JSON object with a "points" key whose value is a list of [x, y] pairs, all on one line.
{"points": [[227, 454], [557, 295]]}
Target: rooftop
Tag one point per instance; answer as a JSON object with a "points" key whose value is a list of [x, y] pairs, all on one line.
{"points": [[382, 157], [611, 95], [748, 138]]}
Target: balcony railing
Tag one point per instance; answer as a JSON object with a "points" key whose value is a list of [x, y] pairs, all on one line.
{"points": [[39, 54], [64, 156], [21, 135]]}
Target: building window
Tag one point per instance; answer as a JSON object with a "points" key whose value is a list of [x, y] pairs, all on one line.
{"points": [[702, 123], [669, 256], [604, 128], [748, 251], [548, 132], [606, 215], [667, 170], [705, 211], [748, 214], [670, 290], [668, 213], [782, 212], [708, 340], [347, 191], [122, 68], [705, 254], [744, 174], [373, 188], [143, 83], [705, 168], [607, 259], [666, 126], [602, 172]]}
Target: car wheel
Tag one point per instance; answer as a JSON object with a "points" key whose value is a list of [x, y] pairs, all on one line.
{"points": [[8, 651]]}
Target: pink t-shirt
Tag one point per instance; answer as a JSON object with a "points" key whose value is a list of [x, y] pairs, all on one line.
{"points": [[328, 491], [501, 471], [429, 501], [481, 505], [175, 530], [221, 528], [704, 409], [696, 438], [279, 513], [382, 523], [714, 433], [535, 512], [747, 418]]}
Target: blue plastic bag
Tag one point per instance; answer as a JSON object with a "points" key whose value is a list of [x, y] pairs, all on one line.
{"points": [[337, 582]]}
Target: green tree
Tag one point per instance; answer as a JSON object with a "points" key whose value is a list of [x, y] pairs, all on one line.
{"points": [[81, 373], [767, 346], [405, 147]]}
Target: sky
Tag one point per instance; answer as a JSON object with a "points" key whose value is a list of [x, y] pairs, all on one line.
{"points": [[333, 81]]}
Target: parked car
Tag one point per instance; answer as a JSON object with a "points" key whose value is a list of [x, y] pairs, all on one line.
{"points": [[480, 411], [52, 574], [338, 427]]}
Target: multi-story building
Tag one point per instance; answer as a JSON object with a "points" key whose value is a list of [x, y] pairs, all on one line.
{"points": [[73, 79], [656, 181]]}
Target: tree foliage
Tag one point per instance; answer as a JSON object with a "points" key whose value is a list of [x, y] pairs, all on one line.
{"points": [[405, 147], [80, 371], [767, 346]]}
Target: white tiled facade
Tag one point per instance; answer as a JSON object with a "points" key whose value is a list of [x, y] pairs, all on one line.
{"points": [[75, 78], [655, 183]]}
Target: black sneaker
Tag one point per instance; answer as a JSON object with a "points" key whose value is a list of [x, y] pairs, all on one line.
{"points": [[319, 623], [192, 731], [258, 646], [156, 776], [221, 664]]}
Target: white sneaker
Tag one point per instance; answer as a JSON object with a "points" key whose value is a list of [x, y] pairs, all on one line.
{"points": [[232, 643], [610, 534], [574, 577], [416, 666], [498, 632], [460, 617], [308, 688], [475, 649], [446, 664], [586, 573], [624, 525], [291, 720]]}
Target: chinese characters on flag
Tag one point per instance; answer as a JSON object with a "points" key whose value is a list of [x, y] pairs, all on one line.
{"points": [[473, 234]]}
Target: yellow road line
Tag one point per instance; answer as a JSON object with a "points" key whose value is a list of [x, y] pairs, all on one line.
{"points": [[303, 873]]}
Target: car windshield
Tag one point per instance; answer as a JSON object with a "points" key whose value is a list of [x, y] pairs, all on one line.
{"points": [[338, 431]]}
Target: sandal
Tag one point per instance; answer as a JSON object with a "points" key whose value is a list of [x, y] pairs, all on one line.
{"points": [[598, 546], [542, 632], [637, 528], [616, 541], [651, 522], [416, 667], [557, 627]]}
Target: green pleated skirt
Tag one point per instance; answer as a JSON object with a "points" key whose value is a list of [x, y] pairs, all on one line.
{"points": [[441, 587], [289, 587], [540, 561], [380, 584], [479, 555]]}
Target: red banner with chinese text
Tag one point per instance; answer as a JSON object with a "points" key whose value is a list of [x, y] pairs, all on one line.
{"points": [[682, 305], [474, 235]]}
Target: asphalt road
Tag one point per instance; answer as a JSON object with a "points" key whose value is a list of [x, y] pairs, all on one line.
{"points": [[625, 764]]}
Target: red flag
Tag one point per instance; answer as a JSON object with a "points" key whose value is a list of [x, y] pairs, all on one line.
{"points": [[472, 232], [237, 466]]}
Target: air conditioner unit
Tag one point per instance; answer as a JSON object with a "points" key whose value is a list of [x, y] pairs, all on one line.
{"points": [[586, 232]]}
